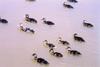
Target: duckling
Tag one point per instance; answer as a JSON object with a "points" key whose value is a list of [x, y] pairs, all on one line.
{"points": [[31, 0], [73, 52], [50, 45], [3, 21], [73, 1], [67, 5], [77, 38], [63, 42], [56, 54], [48, 22], [87, 24], [40, 60], [28, 19]]}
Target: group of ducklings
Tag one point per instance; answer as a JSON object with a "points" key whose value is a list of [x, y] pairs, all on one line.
{"points": [[50, 45]]}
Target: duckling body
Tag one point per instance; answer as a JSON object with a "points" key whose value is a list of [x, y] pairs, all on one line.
{"points": [[73, 1], [48, 22], [74, 52], [56, 54], [50, 45], [77, 38], [87, 24], [40, 60], [68, 5], [31, 20], [3, 21]]}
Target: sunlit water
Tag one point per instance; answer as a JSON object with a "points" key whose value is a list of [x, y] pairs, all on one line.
{"points": [[16, 47]]}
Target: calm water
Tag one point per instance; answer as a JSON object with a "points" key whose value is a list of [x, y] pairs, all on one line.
{"points": [[16, 47]]}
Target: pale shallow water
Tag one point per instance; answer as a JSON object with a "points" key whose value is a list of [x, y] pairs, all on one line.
{"points": [[16, 47]]}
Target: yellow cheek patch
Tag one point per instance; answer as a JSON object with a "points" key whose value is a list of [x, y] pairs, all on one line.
{"points": [[33, 61], [44, 45]]}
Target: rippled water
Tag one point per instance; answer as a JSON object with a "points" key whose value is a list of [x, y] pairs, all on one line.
{"points": [[16, 47]]}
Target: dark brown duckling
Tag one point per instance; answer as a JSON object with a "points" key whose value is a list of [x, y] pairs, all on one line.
{"points": [[56, 54], [77, 38], [40, 60]]}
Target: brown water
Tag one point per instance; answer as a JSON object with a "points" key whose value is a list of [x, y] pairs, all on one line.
{"points": [[16, 47]]}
